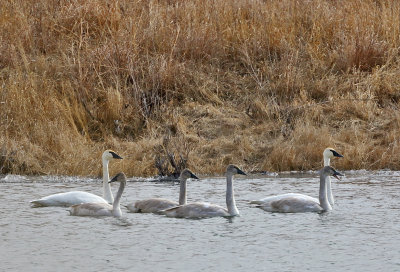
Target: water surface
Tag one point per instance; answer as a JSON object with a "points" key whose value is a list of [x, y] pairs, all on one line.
{"points": [[360, 234]]}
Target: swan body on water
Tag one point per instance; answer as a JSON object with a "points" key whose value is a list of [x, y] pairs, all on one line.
{"points": [[67, 199], [155, 205], [328, 154], [76, 197], [204, 210], [294, 203], [102, 209], [283, 196]]}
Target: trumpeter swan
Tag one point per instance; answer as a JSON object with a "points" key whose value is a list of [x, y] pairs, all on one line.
{"points": [[76, 197], [204, 210], [154, 205], [328, 154], [294, 203], [102, 209]]}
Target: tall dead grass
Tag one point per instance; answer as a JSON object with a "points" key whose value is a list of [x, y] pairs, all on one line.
{"points": [[263, 84]]}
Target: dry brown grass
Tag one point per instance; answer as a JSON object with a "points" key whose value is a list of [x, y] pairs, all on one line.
{"points": [[263, 84]]}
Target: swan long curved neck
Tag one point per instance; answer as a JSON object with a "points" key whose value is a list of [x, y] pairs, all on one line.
{"points": [[327, 162], [117, 200], [230, 198], [182, 192], [323, 199], [107, 194]]}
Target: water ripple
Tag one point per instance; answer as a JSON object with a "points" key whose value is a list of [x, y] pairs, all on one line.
{"points": [[361, 233]]}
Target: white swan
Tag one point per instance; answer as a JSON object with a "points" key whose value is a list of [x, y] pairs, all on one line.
{"points": [[76, 197], [154, 205], [294, 203], [204, 210], [102, 209], [328, 154]]}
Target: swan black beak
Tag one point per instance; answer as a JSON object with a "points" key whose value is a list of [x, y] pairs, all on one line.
{"points": [[113, 179], [337, 174], [336, 154], [116, 156], [240, 172], [193, 176]]}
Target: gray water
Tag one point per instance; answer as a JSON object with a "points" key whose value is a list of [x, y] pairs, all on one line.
{"points": [[360, 234]]}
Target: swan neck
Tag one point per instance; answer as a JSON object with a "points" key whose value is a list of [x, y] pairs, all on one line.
{"points": [[327, 161], [117, 201], [107, 194], [323, 199], [329, 191], [182, 192], [230, 198]]}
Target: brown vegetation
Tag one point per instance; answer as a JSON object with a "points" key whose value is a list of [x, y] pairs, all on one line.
{"points": [[263, 84]]}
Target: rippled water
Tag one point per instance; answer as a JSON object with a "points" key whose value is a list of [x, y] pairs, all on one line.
{"points": [[360, 234]]}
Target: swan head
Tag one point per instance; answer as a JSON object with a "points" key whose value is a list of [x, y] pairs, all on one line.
{"points": [[186, 173], [120, 177], [330, 171], [233, 170], [330, 153], [109, 155]]}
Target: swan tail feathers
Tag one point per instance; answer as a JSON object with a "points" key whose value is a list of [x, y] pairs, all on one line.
{"points": [[37, 203], [257, 202], [160, 212], [165, 211], [132, 208]]}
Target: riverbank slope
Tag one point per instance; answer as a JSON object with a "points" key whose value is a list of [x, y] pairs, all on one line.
{"points": [[266, 85]]}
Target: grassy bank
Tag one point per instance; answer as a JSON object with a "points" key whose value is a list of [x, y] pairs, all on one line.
{"points": [[266, 85]]}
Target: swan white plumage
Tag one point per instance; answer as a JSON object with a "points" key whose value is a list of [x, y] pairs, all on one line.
{"points": [[294, 203], [102, 209], [328, 154], [204, 210], [76, 197], [154, 205]]}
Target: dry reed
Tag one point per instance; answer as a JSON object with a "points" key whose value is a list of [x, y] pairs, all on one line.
{"points": [[263, 84]]}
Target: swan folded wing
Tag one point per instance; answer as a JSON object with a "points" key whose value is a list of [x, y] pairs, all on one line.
{"points": [[67, 199], [152, 205], [292, 204], [283, 196], [91, 209], [196, 210]]}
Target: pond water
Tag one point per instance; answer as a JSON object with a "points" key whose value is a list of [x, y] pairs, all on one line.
{"points": [[360, 234]]}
